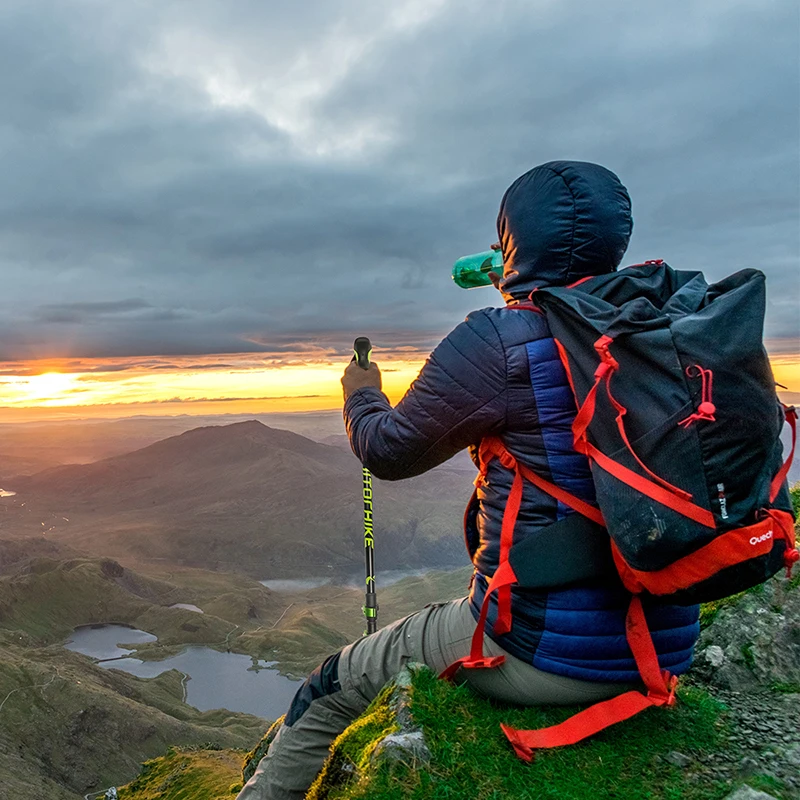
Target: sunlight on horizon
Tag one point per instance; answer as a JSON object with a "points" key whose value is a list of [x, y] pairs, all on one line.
{"points": [[202, 388], [233, 383]]}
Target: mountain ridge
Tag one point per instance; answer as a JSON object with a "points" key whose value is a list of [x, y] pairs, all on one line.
{"points": [[242, 497]]}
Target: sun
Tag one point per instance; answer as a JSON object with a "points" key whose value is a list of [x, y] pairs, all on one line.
{"points": [[49, 386]]}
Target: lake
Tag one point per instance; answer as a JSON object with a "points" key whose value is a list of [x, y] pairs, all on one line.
{"points": [[217, 680]]}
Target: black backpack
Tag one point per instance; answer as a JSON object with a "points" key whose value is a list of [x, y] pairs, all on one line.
{"points": [[679, 417]]}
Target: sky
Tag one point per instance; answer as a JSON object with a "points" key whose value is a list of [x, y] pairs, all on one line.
{"points": [[203, 202]]}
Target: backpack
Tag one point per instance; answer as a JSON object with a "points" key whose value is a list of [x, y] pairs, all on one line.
{"points": [[680, 420]]}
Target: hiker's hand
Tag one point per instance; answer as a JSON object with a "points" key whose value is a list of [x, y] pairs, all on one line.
{"points": [[356, 378]]}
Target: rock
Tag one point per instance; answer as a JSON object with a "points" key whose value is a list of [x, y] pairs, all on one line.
{"points": [[792, 756], [395, 739], [746, 793], [754, 640], [407, 744], [678, 759], [748, 766], [408, 748], [714, 655]]}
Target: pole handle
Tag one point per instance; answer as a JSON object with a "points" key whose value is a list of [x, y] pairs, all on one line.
{"points": [[362, 350]]}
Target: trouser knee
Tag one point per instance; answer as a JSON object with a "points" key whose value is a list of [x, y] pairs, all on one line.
{"points": [[322, 682]]}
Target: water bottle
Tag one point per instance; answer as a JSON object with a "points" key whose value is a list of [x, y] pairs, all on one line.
{"points": [[470, 272]]}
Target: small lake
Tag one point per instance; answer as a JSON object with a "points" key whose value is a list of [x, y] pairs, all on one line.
{"points": [[383, 578], [103, 641], [218, 680]]}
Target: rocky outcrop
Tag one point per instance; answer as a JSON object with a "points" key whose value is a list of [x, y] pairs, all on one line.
{"points": [[749, 657], [754, 641], [385, 734]]}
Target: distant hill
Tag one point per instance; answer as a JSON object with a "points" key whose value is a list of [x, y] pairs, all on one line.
{"points": [[245, 496], [26, 448]]}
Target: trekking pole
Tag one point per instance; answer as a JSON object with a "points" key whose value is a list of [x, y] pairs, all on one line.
{"points": [[362, 348]]}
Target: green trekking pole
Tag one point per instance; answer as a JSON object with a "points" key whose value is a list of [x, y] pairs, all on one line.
{"points": [[362, 349]]}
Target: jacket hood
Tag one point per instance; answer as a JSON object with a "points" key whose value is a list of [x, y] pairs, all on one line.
{"points": [[561, 222]]}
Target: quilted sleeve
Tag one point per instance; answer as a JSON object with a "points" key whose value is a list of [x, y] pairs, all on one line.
{"points": [[459, 396]]}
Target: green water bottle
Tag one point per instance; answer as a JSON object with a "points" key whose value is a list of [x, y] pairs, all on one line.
{"points": [[470, 272]]}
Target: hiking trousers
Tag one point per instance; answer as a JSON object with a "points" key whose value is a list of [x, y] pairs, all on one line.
{"points": [[346, 684]]}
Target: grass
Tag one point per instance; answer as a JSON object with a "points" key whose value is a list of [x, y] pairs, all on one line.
{"points": [[353, 749], [187, 774], [471, 758], [794, 493]]}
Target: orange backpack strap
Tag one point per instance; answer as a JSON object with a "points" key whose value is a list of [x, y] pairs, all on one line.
{"points": [[660, 687]]}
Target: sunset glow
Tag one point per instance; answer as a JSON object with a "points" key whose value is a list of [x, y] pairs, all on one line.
{"points": [[197, 385], [219, 384]]}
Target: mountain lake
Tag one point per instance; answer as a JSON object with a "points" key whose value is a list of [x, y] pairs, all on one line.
{"points": [[215, 680]]}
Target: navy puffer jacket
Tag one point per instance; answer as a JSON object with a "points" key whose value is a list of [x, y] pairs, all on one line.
{"points": [[498, 374]]}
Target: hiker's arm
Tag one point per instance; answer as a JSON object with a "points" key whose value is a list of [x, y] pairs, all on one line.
{"points": [[458, 397]]}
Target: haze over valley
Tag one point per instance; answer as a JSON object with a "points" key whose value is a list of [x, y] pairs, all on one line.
{"points": [[243, 497]]}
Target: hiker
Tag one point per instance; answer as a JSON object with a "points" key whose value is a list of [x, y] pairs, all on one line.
{"points": [[497, 374]]}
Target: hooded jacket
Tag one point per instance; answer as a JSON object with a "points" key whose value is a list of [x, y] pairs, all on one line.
{"points": [[498, 374]]}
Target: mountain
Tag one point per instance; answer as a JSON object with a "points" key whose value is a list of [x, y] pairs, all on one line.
{"points": [[242, 497], [30, 447]]}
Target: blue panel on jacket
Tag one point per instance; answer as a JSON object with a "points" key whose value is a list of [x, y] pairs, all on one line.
{"points": [[555, 405], [584, 635]]}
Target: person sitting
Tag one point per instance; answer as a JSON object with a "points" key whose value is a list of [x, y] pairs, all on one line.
{"points": [[497, 374]]}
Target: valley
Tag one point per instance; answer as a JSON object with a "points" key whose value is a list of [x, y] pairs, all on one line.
{"points": [[69, 725]]}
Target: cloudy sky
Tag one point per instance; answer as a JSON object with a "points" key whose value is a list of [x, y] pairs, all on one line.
{"points": [[183, 179]]}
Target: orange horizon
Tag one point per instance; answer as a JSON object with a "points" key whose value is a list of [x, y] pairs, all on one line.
{"points": [[233, 383]]}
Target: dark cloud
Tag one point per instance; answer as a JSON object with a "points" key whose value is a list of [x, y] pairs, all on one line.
{"points": [[275, 178]]}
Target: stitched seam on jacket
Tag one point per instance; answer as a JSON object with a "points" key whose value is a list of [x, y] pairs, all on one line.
{"points": [[435, 444], [505, 364], [574, 222]]}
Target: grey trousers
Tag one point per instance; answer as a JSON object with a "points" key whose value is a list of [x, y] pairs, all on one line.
{"points": [[436, 636]]}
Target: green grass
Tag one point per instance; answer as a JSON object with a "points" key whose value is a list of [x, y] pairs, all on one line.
{"points": [[187, 774], [785, 688], [471, 758], [794, 493], [355, 746]]}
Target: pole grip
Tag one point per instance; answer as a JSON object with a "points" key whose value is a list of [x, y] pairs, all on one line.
{"points": [[362, 350]]}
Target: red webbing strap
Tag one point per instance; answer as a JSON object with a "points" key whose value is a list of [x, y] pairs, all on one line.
{"points": [[657, 489], [661, 692], [503, 622], [783, 472], [503, 576], [652, 490], [493, 447]]}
